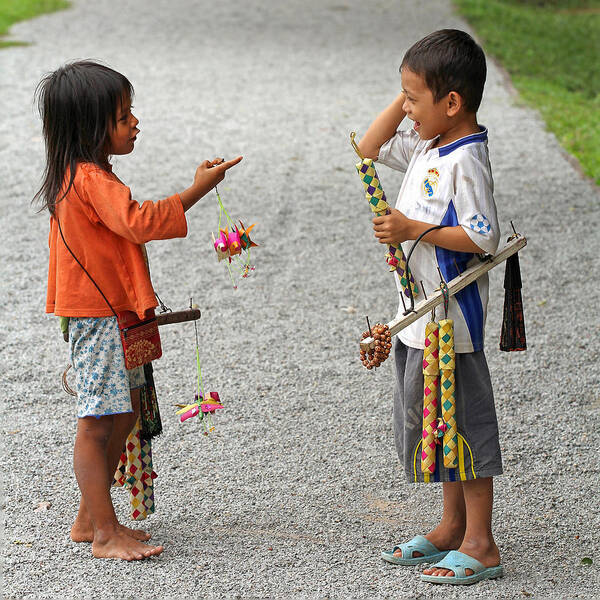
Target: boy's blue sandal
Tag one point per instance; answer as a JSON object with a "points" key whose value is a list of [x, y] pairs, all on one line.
{"points": [[418, 544], [457, 562]]}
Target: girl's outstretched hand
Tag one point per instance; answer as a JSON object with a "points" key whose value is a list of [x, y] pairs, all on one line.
{"points": [[213, 171], [209, 174]]}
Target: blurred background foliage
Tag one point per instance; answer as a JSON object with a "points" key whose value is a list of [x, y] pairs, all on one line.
{"points": [[551, 49]]}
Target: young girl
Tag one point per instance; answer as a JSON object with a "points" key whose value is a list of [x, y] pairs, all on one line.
{"points": [[96, 225]]}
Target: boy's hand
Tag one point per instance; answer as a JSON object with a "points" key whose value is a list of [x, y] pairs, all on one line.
{"points": [[397, 227], [209, 174], [393, 228]]}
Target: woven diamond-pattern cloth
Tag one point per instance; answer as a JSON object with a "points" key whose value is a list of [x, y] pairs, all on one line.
{"points": [[377, 201], [119, 476], [447, 388], [133, 473], [430, 397], [148, 476]]}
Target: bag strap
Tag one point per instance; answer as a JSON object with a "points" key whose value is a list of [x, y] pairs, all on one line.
{"points": [[84, 269]]}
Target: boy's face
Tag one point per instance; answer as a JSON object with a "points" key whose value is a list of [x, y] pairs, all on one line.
{"points": [[121, 138], [430, 117]]}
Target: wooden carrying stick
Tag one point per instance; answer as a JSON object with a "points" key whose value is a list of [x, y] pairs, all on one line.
{"points": [[179, 316], [454, 286]]}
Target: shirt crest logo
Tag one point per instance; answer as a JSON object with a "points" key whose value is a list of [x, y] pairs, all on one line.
{"points": [[430, 183]]}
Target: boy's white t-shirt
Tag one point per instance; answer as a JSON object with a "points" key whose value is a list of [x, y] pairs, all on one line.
{"points": [[448, 185]]}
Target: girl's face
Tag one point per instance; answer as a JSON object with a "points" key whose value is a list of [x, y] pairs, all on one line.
{"points": [[121, 138], [429, 116]]}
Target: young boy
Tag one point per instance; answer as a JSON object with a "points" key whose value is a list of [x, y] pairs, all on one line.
{"points": [[448, 182]]}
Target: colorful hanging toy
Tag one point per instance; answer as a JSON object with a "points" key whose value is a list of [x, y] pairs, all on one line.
{"points": [[233, 243], [447, 385], [135, 471], [377, 201], [136, 474], [431, 372], [204, 405], [439, 387]]}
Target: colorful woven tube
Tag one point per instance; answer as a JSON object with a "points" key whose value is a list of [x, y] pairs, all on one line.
{"points": [[148, 477], [378, 203], [447, 388], [134, 472], [430, 397], [119, 477]]}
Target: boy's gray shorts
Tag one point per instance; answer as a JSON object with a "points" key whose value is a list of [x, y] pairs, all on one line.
{"points": [[478, 445]]}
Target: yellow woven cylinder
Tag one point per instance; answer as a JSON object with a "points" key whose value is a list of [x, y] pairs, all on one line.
{"points": [[430, 397], [447, 390]]}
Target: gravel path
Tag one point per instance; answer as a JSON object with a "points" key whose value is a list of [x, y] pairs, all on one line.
{"points": [[299, 489]]}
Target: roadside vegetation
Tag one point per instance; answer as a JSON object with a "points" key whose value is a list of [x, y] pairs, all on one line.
{"points": [[551, 49], [13, 11]]}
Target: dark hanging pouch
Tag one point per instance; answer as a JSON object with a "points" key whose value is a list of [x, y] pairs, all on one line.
{"points": [[151, 425], [512, 337]]}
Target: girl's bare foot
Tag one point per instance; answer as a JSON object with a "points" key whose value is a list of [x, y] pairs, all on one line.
{"points": [[84, 532], [118, 544]]}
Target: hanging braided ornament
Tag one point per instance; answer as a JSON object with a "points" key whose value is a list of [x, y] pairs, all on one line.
{"points": [[430, 397], [233, 243], [448, 385], [135, 473], [130, 472], [148, 476], [205, 404], [381, 350]]}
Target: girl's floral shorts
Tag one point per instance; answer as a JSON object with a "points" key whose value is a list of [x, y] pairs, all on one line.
{"points": [[101, 380]]}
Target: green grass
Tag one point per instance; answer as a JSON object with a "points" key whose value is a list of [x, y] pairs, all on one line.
{"points": [[551, 48], [12, 11]]}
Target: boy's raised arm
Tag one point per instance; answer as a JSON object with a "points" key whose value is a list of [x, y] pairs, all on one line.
{"points": [[382, 128]]}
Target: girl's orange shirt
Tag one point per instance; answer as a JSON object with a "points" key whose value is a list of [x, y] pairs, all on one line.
{"points": [[105, 227]]}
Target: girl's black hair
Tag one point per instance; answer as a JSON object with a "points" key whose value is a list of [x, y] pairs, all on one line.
{"points": [[78, 104], [449, 60]]}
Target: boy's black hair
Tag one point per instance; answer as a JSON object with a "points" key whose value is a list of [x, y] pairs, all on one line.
{"points": [[78, 104], [449, 60]]}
